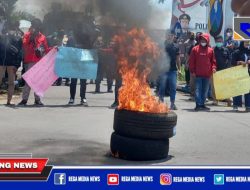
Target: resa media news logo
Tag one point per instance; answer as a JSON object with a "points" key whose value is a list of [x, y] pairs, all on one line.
{"points": [[166, 179], [241, 28], [113, 179], [60, 179]]}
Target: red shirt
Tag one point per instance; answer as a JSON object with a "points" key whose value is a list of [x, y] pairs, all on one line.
{"points": [[202, 60], [29, 48]]}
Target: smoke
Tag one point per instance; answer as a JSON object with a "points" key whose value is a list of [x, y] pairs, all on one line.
{"points": [[161, 15], [39, 8], [146, 13]]}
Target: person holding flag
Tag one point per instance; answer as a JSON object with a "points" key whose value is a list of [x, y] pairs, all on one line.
{"points": [[35, 46]]}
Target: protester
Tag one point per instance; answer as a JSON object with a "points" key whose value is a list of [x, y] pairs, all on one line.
{"points": [[189, 44], [222, 56], [242, 57], [118, 78], [192, 77], [106, 63], [10, 56], [173, 52], [202, 66], [58, 39], [83, 82], [35, 46]]}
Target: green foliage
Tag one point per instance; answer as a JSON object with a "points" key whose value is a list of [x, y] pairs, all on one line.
{"points": [[9, 6], [20, 15], [181, 77], [11, 14]]}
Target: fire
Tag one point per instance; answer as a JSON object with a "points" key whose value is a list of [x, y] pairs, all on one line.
{"points": [[136, 52]]}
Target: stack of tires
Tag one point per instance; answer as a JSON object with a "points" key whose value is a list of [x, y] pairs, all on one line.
{"points": [[142, 136]]}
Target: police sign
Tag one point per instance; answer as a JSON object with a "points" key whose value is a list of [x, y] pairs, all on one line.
{"points": [[241, 28]]}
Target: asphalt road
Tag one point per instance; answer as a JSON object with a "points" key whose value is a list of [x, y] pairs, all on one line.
{"points": [[80, 136]]}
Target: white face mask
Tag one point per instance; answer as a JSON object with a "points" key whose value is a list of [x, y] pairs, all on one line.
{"points": [[203, 44]]}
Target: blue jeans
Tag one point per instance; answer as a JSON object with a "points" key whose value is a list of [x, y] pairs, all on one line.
{"points": [[238, 101], [171, 78], [201, 90]]}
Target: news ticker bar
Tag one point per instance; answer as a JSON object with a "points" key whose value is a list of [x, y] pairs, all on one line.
{"points": [[151, 177]]}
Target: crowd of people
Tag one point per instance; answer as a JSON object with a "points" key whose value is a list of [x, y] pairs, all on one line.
{"points": [[201, 61], [195, 54]]}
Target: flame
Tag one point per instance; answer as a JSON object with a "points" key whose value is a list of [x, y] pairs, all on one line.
{"points": [[135, 53]]}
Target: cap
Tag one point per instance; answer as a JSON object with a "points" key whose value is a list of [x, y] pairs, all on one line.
{"points": [[185, 17]]}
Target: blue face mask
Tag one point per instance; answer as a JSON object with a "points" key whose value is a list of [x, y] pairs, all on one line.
{"points": [[219, 44]]}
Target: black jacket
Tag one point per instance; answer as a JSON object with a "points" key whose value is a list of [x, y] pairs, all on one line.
{"points": [[241, 54], [222, 56], [11, 50], [172, 51]]}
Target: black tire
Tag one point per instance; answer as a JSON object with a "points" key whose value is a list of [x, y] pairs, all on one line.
{"points": [[145, 125], [138, 149]]}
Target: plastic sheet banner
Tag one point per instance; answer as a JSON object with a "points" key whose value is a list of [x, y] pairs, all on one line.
{"points": [[143, 178], [231, 82], [76, 63], [41, 76]]}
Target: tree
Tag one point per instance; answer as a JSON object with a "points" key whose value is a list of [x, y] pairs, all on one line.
{"points": [[8, 6]]}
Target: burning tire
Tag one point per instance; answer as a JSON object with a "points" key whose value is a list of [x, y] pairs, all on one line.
{"points": [[145, 125], [138, 149]]}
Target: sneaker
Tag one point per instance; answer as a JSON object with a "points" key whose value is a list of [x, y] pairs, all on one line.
{"points": [[191, 99], [23, 103], [84, 102], [10, 104], [59, 84], [38, 103], [198, 108], [215, 103], [114, 105], [71, 101], [173, 107], [67, 84], [205, 108], [235, 108], [110, 91]]}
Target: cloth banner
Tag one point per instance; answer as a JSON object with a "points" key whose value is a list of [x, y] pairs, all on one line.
{"points": [[231, 82], [196, 9], [220, 18], [41, 76], [76, 63]]}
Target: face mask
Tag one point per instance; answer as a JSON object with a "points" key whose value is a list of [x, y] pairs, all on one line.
{"points": [[203, 44], [219, 44]]}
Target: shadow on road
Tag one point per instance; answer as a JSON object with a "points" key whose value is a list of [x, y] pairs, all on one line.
{"points": [[78, 152], [56, 106]]}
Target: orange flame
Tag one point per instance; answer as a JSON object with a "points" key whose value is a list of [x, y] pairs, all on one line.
{"points": [[136, 52]]}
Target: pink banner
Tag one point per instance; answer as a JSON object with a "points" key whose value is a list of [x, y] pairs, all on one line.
{"points": [[41, 76]]}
